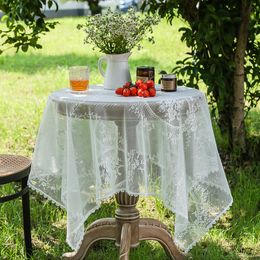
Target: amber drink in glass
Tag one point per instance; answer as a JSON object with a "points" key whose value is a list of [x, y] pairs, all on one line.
{"points": [[79, 78]]}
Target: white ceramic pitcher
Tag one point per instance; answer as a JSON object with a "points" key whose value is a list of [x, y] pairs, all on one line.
{"points": [[117, 71]]}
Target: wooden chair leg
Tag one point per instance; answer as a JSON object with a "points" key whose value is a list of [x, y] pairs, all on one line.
{"points": [[26, 218]]}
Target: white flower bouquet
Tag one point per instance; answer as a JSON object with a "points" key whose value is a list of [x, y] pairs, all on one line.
{"points": [[117, 33]]}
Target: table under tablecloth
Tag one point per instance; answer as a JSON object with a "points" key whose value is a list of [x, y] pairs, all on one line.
{"points": [[91, 146]]}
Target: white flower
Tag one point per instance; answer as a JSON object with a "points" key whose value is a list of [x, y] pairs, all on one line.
{"points": [[116, 33]]}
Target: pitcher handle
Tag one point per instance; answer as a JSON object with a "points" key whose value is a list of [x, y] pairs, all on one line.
{"points": [[100, 61]]}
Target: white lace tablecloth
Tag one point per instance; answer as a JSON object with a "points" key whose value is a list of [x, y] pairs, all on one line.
{"points": [[91, 146]]}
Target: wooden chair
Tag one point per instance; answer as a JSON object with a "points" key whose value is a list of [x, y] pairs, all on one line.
{"points": [[14, 168]]}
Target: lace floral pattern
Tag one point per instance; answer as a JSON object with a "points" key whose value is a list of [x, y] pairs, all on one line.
{"points": [[92, 146]]}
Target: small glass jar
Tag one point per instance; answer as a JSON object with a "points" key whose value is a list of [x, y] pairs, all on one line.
{"points": [[168, 82], [79, 78], [145, 73]]}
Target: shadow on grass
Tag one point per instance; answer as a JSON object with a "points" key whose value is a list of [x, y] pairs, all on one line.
{"points": [[151, 250], [31, 63], [225, 241], [103, 250], [233, 237], [212, 251], [49, 227], [236, 231], [245, 211]]}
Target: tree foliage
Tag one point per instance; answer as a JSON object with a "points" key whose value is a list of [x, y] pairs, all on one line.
{"points": [[94, 6], [212, 34], [24, 23]]}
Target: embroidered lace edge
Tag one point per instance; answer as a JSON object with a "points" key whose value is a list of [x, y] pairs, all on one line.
{"points": [[136, 195], [207, 229]]}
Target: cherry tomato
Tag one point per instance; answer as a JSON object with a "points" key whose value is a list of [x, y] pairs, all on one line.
{"points": [[146, 94], [138, 83], [119, 91], [152, 92], [150, 83], [127, 85], [143, 86], [133, 91], [126, 92], [140, 93]]}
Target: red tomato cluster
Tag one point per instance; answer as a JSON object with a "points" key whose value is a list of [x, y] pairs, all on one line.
{"points": [[140, 88]]}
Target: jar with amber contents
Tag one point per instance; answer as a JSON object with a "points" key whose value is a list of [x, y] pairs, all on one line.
{"points": [[145, 73]]}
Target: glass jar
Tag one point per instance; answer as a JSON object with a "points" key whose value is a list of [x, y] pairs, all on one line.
{"points": [[145, 73], [79, 78], [168, 82]]}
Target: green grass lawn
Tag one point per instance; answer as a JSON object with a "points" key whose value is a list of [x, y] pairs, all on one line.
{"points": [[26, 80]]}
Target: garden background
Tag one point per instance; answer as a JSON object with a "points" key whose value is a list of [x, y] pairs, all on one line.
{"points": [[26, 80]]}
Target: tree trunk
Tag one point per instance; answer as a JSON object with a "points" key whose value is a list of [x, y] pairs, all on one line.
{"points": [[238, 128], [94, 7]]}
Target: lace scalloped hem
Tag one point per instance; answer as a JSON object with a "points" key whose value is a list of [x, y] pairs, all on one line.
{"points": [[98, 204], [46, 196], [185, 251]]}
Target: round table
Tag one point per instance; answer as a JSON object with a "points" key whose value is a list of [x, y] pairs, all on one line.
{"points": [[95, 145]]}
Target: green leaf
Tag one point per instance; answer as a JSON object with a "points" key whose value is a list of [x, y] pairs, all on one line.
{"points": [[50, 3], [19, 27], [211, 8], [4, 18], [228, 38], [25, 47], [216, 48], [162, 72], [39, 22], [212, 68]]}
